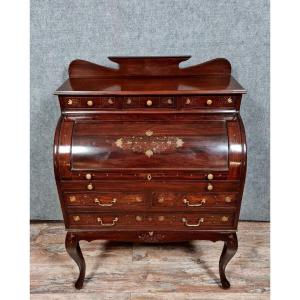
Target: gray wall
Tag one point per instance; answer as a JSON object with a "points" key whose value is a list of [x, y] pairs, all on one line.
{"points": [[63, 30]]}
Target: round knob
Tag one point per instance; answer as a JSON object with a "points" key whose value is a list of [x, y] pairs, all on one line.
{"points": [[149, 102], [88, 176], [90, 103], [210, 176], [138, 218], [169, 101], [209, 102], [70, 102], [210, 187], [188, 101], [129, 101], [76, 218], [110, 101], [90, 186], [229, 100]]}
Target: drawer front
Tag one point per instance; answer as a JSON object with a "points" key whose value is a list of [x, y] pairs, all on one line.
{"points": [[89, 102], [179, 186], [187, 221], [193, 200], [109, 200], [209, 101]]}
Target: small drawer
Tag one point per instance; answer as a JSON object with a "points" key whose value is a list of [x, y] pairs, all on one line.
{"points": [[131, 102], [193, 200], [167, 102], [209, 101], [110, 200]]}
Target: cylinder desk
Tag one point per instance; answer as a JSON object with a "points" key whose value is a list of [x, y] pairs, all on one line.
{"points": [[149, 152]]}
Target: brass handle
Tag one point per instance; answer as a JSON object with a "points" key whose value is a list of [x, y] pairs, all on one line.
{"points": [[188, 101], [90, 186], [149, 102], [228, 199], [209, 102], [186, 201], [114, 200], [210, 176], [70, 102], [185, 221], [229, 100], [110, 101], [88, 176], [76, 218], [169, 101], [210, 187], [224, 219], [128, 101], [90, 103], [115, 220], [149, 177]]}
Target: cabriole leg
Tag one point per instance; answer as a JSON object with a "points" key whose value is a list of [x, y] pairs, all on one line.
{"points": [[73, 249], [229, 250]]}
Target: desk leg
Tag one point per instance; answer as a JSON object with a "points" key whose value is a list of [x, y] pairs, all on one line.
{"points": [[73, 249], [229, 250]]}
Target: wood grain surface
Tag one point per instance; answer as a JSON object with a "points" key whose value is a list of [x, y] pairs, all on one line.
{"points": [[149, 271]]}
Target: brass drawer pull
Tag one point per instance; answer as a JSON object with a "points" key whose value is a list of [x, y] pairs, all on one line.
{"points": [[149, 177], [90, 186], [70, 102], [210, 187], [228, 199], [114, 200], [90, 103], [110, 101], [149, 102], [170, 101], [185, 221], [210, 176], [209, 102], [229, 100], [88, 176], [115, 220], [186, 201]]}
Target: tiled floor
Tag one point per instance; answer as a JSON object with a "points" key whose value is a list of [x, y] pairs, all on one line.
{"points": [[131, 271]]}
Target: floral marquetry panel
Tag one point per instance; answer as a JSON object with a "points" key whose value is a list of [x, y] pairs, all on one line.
{"points": [[101, 145]]}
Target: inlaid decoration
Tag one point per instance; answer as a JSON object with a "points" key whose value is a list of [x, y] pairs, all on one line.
{"points": [[149, 144]]}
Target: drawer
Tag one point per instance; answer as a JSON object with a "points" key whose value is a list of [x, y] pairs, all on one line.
{"points": [[159, 185], [89, 102], [193, 200], [187, 221], [109, 200], [209, 101]]}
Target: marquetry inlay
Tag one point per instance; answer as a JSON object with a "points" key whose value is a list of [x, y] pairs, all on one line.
{"points": [[149, 144]]}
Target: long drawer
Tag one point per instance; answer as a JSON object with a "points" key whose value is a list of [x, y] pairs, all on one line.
{"points": [[188, 186], [180, 221]]}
